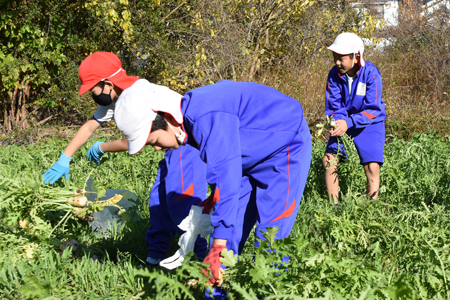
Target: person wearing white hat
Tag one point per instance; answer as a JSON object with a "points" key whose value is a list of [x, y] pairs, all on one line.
{"points": [[255, 142], [180, 182], [354, 100]]}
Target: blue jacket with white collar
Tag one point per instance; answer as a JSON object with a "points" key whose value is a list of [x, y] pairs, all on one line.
{"points": [[364, 105]]}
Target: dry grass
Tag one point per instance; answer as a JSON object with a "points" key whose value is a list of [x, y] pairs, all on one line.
{"points": [[415, 69]]}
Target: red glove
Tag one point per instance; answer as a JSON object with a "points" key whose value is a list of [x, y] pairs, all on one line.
{"points": [[213, 260]]}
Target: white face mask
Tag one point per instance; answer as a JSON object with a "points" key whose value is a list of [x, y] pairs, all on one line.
{"points": [[180, 137]]}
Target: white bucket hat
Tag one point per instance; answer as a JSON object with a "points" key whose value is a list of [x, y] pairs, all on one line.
{"points": [[138, 107], [348, 43]]}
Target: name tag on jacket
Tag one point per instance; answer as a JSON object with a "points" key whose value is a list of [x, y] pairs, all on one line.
{"points": [[361, 90]]}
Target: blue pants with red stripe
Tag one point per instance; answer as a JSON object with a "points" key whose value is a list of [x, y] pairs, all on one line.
{"points": [[271, 193], [180, 183]]}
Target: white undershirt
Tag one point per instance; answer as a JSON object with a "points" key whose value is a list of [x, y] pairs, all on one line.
{"points": [[350, 82]]}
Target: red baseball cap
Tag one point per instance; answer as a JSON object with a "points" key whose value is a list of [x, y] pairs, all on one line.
{"points": [[100, 66]]}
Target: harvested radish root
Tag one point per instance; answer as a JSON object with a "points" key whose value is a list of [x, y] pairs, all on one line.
{"points": [[193, 283], [82, 214], [80, 201], [219, 282], [333, 124], [80, 192], [326, 125]]}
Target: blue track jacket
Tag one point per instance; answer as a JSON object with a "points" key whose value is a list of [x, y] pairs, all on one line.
{"points": [[235, 126], [364, 105]]}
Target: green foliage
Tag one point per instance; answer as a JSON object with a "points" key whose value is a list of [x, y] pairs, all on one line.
{"points": [[243, 40], [181, 44], [60, 277], [43, 42], [395, 247], [228, 258]]}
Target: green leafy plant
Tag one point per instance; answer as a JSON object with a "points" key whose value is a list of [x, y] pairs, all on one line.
{"points": [[395, 247]]}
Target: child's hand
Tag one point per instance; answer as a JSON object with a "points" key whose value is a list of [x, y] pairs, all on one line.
{"points": [[341, 128], [213, 259], [95, 153], [60, 168]]}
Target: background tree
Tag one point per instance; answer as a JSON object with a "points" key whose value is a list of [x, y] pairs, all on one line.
{"points": [[185, 44]]}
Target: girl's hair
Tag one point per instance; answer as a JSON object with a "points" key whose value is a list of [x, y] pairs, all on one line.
{"points": [[159, 122]]}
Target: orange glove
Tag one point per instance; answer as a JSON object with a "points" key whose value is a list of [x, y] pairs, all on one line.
{"points": [[213, 260]]}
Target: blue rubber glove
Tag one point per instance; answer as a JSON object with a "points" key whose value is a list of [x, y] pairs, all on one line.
{"points": [[95, 153], [60, 168]]}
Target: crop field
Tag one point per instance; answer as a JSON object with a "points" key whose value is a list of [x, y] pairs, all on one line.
{"points": [[396, 247]]}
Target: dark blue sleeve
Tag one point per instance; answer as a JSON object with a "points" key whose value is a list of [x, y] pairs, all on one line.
{"points": [[334, 106], [217, 134], [98, 121]]}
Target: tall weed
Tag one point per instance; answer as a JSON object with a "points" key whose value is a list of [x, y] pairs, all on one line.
{"points": [[394, 247]]}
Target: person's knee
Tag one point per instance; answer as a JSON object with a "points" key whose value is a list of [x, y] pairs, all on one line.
{"points": [[372, 169], [329, 160]]}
